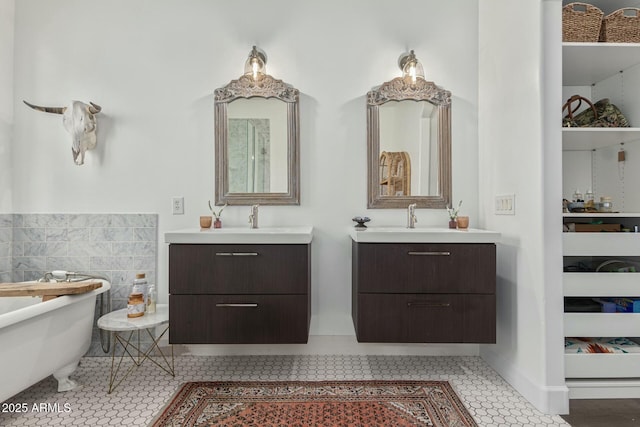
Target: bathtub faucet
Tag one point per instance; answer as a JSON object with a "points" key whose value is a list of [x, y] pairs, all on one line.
{"points": [[104, 299], [68, 276], [55, 276]]}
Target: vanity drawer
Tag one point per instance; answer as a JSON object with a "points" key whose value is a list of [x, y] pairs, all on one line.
{"points": [[238, 319], [424, 267], [239, 269], [426, 318]]}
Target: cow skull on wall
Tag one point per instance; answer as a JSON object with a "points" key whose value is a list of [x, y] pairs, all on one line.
{"points": [[80, 121]]}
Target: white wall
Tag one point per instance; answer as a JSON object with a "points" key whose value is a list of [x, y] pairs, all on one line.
{"points": [[520, 154], [7, 8], [153, 65]]}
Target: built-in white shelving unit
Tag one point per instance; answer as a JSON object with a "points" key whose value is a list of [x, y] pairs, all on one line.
{"points": [[605, 70], [602, 375]]}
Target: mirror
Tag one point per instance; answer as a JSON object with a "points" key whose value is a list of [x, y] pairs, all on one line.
{"points": [[257, 142], [409, 145]]}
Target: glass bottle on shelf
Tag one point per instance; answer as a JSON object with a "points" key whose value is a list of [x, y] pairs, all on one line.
{"points": [[140, 286], [135, 305], [152, 297], [577, 196], [589, 200], [589, 197]]}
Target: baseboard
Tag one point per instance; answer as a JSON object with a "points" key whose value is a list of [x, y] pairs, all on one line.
{"points": [[332, 344], [552, 400]]}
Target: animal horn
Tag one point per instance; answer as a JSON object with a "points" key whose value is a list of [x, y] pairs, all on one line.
{"points": [[56, 110], [94, 108]]}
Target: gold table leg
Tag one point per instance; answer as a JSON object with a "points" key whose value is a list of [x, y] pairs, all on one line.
{"points": [[138, 357]]}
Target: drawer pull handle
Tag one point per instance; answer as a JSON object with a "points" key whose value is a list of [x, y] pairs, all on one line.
{"points": [[429, 253], [236, 305], [236, 253], [428, 304]]}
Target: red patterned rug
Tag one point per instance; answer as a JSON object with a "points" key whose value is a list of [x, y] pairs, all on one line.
{"points": [[322, 403]]}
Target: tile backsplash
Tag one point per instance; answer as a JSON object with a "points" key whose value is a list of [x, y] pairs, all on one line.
{"points": [[114, 246]]}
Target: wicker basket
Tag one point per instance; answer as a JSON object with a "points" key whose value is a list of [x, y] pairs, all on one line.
{"points": [[621, 26], [581, 22]]}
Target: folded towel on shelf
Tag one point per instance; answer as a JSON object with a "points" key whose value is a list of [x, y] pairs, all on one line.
{"points": [[617, 345]]}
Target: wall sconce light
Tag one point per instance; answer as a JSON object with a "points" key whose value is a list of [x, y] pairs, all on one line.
{"points": [[256, 63], [410, 66]]}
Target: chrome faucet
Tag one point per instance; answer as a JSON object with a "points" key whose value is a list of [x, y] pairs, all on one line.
{"points": [[253, 217], [411, 216]]}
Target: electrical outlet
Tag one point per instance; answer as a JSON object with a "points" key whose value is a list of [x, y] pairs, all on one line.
{"points": [[505, 204], [177, 205]]}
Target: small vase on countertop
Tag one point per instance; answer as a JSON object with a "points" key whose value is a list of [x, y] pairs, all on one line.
{"points": [[218, 222], [453, 215]]}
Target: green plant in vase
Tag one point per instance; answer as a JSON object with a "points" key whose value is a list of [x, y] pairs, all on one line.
{"points": [[453, 215], [218, 222]]}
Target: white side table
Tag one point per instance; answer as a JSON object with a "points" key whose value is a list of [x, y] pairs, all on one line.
{"points": [[118, 323]]}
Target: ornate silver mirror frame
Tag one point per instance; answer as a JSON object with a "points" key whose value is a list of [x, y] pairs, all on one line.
{"points": [[400, 89], [264, 86]]}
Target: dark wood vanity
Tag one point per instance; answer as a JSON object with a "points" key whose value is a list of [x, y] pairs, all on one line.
{"points": [[239, 293], [424, 292]]}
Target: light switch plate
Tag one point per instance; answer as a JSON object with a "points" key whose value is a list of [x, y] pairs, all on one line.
{"points": [[505, 204]]}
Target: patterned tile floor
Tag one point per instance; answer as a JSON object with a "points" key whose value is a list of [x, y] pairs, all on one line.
{"points": [[490, 400]]}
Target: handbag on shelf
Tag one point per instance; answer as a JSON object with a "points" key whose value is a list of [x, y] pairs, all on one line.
{"points": [[602, 114]]}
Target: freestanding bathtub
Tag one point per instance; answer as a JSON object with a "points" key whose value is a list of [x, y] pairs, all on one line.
{"points": [[38, 339]]}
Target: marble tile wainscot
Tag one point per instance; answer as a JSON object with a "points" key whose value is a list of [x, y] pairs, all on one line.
{"points": [[113, 245], [6, 224]]}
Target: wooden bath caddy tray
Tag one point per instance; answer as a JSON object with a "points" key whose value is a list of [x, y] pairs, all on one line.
{"points": [[46, 290]]}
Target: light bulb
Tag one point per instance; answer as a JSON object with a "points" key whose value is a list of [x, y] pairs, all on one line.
{"points": [[255, 65], [412, 73], [411, 67]]}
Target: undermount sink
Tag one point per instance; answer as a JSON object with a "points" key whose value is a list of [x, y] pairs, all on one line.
{"points": [[422, 235], [230, 235]]}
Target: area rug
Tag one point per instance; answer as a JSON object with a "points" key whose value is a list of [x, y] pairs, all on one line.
{"points": [[322, 403]]}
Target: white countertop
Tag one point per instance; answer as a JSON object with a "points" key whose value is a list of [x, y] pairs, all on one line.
{"points": [[118, 320], [246, 235], [422, 235]]}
